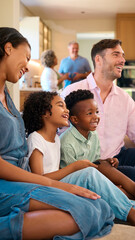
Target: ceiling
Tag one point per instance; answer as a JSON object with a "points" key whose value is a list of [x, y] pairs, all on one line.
{"points": [[78, 9]]}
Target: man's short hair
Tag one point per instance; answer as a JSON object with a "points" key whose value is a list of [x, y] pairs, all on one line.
{"points": [[102, 45], [72, 42]]}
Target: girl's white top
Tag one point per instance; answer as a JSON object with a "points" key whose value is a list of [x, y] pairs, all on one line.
{"points": [[50, 151]]}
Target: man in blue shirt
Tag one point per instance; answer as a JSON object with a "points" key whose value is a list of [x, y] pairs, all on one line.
{"points": [[78, 67]]}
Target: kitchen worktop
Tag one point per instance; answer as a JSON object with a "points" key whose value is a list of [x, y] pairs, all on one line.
{"points": [[30, 89]]}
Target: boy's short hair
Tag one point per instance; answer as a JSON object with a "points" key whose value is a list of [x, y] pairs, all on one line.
{"points": [[102, 45], [76, 96]]}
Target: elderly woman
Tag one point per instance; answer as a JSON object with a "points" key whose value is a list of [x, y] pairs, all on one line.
{"points": [[50, 79]]}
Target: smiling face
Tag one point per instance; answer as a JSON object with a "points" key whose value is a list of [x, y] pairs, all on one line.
{"points": [[16, 61], [60, 113], [86, 116], [112, 62], [73, 50]]}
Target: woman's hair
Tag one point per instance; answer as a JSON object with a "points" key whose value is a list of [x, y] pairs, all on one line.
{"points": [[35, 107], [10, 35], [76, 96], [47, 58]]}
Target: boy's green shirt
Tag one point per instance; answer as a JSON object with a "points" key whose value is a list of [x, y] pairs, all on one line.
{"points": [[74, 146]]}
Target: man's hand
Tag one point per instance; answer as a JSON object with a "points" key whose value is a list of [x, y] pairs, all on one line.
{"points": [[78, 76], [113, 161]]}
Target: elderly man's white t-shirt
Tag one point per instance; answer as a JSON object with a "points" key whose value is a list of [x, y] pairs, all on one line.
{"points": [[50, 151]]}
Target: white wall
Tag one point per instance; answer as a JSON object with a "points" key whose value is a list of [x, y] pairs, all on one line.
{"points": [[9, 17], [87, 40], [24, 12]]}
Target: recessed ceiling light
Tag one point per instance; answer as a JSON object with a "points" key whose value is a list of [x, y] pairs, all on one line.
{"points": [[96, 35]]}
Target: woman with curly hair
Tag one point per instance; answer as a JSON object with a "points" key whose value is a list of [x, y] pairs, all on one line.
{"points": [[44, 112], [50, 79]]}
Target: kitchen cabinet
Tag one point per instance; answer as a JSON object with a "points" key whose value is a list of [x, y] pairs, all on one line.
{"points": [[125, 31], [38, 35], [24, 93], [47, 38]]}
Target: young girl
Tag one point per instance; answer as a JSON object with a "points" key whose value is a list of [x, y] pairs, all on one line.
{"points": [[43, 113]]}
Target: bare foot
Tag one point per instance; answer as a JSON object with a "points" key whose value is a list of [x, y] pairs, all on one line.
{"points": [[131, 217], [130, 196]]}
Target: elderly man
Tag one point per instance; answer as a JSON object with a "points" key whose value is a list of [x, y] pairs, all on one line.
{"points": [[78, 67], [116, 107]]}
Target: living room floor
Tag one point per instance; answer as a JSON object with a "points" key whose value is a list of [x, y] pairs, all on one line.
{"points": [[121, 232]]}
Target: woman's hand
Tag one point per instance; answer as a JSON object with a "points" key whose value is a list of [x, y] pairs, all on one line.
{"points": [[10, 172], [113, 161], [77, 190], [66, 76], [83, 192]]}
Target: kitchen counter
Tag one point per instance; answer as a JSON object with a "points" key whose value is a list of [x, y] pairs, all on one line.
{"points": [[30, 89]]}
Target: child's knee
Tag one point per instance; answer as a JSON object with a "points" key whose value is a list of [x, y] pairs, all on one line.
{"points": [[90, 172]]}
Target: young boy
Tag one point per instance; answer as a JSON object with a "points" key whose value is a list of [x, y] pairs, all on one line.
{"points": [[80, 141]]}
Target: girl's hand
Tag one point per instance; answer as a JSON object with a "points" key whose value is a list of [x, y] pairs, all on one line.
{"points": [[80, 164], [113, 161]]}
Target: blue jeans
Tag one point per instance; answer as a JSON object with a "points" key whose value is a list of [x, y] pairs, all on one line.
{"points": [[126, 159], [94, 217], [92, 179]]}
